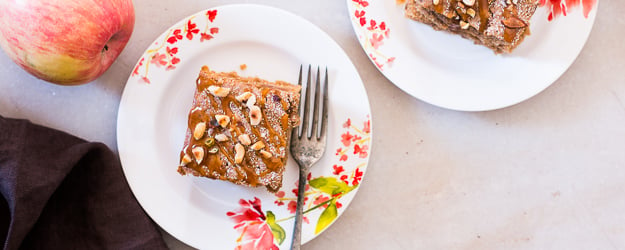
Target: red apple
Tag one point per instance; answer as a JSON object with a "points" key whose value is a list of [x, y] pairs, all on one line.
{"points": [[67, 42]]}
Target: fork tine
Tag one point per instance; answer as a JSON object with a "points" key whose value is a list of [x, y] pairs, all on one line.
{"points": [[298, 132], [324, 108], [316, 106], [304, 112], [299, 81]]}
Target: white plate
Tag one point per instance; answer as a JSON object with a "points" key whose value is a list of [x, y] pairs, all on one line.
{"points": [[158, 95], [451, 72]]}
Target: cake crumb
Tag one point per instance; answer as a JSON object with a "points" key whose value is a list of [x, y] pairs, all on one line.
{"points": [[243, 66]]}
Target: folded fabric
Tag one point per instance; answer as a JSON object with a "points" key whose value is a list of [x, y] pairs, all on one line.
{"points": [[61, 192]]}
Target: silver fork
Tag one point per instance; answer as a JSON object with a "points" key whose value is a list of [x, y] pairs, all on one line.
{"points": [[308, 141]]}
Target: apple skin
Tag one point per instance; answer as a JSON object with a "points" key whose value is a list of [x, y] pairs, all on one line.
{"points": [[67, 42]]}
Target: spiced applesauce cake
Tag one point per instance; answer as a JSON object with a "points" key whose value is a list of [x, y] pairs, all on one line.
{"points": [[239, 128], [500, 25]]}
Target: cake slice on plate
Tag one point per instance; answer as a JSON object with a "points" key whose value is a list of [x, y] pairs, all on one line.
{"points": [[239, 128], [500, 25]]}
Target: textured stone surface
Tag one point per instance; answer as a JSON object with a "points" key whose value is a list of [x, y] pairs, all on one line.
{"points": [[544, 174]]}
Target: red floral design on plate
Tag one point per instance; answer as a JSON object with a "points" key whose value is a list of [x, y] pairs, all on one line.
{"points": [[357, 140], [562, 7], [164, 54], [325, 192], [322, 193], [251, 223], [373, 35]]}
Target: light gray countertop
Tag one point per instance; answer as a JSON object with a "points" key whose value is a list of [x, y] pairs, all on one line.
{"points": [[548, 173]]}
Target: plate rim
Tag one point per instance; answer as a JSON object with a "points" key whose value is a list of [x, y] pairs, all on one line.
{"points": [[356, 27], [124, 102]]}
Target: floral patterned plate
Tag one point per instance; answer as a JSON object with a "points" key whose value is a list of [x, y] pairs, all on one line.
{"points": [[451, 72], [253, 40]]}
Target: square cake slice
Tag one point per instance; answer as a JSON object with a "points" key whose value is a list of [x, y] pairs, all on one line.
{"points": [[500, 25], [239, 128]]}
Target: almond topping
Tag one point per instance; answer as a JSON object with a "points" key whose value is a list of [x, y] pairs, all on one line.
{"points": [[213, 150], [186, 159], [218, 91], [468, 2], [239, 153], [221, 137], [258, 145], [223, 120], [265, 154], [513, 22], [244, 96], [471, 12], [255, 115], [464, 25], [245, 139], [199, 130], [251, 101], [198, 152]]}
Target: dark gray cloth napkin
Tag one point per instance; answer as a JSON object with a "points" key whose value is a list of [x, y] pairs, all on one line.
{"points": [[61, 192]]}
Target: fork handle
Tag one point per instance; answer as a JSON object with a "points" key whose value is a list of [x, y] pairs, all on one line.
{"points": [[296, 243]]}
